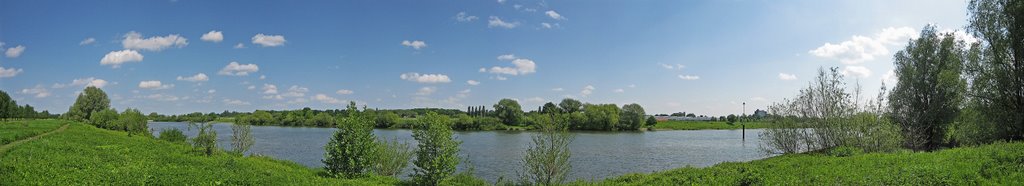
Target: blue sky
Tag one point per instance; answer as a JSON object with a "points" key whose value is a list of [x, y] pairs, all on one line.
{"points": [[705, 57]]}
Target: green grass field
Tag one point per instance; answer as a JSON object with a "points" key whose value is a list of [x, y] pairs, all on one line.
{"points": [[11, 131], [996, 164], [85, 155], [706, 125]]}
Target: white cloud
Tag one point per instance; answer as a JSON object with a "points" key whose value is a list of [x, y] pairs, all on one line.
{"points": [[268, 40], [240, 45], [15, 51], [195, 78], [116, 58], [507, 57], [235, 69], [89, 82], [425, 78], [9, 72], [262, 77], [38, 91], [502, 78], [554, 15], [213, 36], [155, 85], [671, 67], [559, 89], [235, 102], [785, 76], [546, 25], [162, 97], [251, 87], [502, 1], [856, 71], [482, 70], [295, 91], [269, 89], [961, 35], [87, 41], [587, 90], [414, 44], [619, 90], [211, 91], [521, 66], [497, 22], [344, 92], [632, 86], [862, 48], [464, 17], [688, 77], [472, 82], [426, 91], [327, 99], [889, 78], [134, 40]]}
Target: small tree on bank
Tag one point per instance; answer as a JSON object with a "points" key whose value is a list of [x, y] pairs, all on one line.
{"points": [[241, 138], [547, 159], [437, 154], [348, 154], [91, 100]]}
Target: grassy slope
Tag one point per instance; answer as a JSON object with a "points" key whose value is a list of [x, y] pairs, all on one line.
{"points": [[997, 164], [15, 130], [705, 125], [84, 155]]}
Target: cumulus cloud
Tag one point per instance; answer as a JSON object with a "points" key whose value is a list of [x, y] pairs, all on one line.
{"points": [[235, 102], [195, 78], [344, 92], [9, 72], [889, 78], [251, 87], [472, 82], [425, 78], [494, 21], [38, 91], [15, 51], [856, 71], [426, 91], [89, 82], [116, 58], [785, 76], [87, 41], [549, 25], [268, 40], [262, 77], [134, 40], [672, 67], [961, 35], [213, 36], [507, 57], [162, 97], [619, 90], [688, 77], [240, 45], [521, 66], [554, 15], [269, 89], [235, 69], [587, 90], [464, 17], [862, 48], [296, 91], [414, 44], [155, 85], [327, 99]]}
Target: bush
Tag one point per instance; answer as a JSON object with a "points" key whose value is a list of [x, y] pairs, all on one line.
{"points": [[438, 151], [845, 151], [173, 135], [105, 119], [241, 138], [134, 122], [349, 152], [391, 157], [206, 139]]}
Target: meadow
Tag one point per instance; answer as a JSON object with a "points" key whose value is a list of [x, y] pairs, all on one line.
{"points": [[11, 131], [708, 125]]}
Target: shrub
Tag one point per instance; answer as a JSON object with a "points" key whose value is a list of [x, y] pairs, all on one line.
{"points": [[206, 139], [172, 135], [348, 153], [438, 151], [241, 138], [845, 151], [391, 157], [546, 161]]}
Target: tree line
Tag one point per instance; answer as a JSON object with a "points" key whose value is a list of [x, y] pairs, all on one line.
{"points": [[10, 109], [949, 92]]}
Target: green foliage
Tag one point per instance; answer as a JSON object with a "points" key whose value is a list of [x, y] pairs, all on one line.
{"points": [[546, 161], [133, 122], [173, 135], [569, 105], [391, 157], [995, 68], [651, 121], [928, 95], [599, 117], [387, 119], [206, 139], [731, 119], [509, 111], [437, 154], [464, 178], [348, 153], [105, 157], [241, 138], [632, 117], [845, 151], [105, 119], [91, 99]]}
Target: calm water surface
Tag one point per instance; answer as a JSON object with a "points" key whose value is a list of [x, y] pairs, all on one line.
{"points": [[496, 154]]}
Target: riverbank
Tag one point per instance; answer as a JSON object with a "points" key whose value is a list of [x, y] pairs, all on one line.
{"points": [[85, 155], [708, 125], [994, 164]]}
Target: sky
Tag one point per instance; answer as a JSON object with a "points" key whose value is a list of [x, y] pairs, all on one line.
{"points": [[703, 57]]}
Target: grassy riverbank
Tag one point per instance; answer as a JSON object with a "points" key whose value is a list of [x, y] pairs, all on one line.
{"points": [[16, 130], [85, 155], [995, 164], [707, 125]]}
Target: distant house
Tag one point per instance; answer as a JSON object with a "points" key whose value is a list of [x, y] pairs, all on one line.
{"points": [[760, 113]]}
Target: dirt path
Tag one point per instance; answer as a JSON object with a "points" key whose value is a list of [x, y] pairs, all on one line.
{"points": [[4, 148]]}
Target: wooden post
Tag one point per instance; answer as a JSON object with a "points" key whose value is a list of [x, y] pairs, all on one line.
{"points": [[744, 132]]}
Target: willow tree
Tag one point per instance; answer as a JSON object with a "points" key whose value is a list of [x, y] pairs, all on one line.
{"points": [[996, 68]]}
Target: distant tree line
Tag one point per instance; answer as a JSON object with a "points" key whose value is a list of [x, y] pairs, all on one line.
{"points": [[10, 109]]}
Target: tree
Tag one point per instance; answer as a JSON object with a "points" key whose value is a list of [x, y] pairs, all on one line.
{"points": [[651, 121], [8, 107], [601, 116], [569, 105], [437, 154], [348, 153], [547, 159], [550, 108], [206, 139], [323, 120], [996, 67], [134, 122], [391, 157], [928, 95], [241, 138], [632, 117], [106, 119], [731, 119], [91, 99], [172, 135], [509, 112]]}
